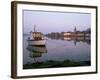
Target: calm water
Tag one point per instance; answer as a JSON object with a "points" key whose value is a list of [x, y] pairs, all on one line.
{"points": [[57, 50]]}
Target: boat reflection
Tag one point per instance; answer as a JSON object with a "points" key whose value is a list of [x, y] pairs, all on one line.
{"points": [[36, 51], [41, 49]]}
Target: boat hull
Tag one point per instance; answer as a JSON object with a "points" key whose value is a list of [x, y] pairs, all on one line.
{"points": [[36, 42]]}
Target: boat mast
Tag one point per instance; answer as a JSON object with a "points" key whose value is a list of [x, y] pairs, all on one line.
{"points": [[34, 27]]}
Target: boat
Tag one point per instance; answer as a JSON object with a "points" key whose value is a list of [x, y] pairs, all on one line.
{"points": [[36, 38], [37, 42]]}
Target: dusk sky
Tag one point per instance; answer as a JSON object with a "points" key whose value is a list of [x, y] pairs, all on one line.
{"points": [[48, 22]]}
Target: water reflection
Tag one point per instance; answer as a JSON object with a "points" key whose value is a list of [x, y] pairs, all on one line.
{"points": [[36, 51], [58, 49], [85, 39]]}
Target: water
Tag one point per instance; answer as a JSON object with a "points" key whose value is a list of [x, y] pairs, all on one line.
{"points": [[57, 50]]}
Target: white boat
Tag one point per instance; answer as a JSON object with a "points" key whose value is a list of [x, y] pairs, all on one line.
{"points": [[36, 38], [37, 42]]}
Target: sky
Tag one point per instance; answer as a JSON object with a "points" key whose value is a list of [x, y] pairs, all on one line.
{"points": [[47, 22]]}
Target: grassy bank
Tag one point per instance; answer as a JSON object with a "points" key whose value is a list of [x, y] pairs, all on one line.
{"points": [[53, 64]]}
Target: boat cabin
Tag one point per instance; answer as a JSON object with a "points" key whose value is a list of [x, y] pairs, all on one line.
{"points": [[37, 35]]}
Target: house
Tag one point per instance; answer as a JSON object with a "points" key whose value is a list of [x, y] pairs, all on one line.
{"points": [[66, 34], [80, 34]]}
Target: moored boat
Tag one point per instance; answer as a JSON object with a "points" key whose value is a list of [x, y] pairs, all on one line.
{"points": [[37, 42], [36, 38]]}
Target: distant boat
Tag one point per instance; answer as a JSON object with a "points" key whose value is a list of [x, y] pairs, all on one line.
{"points": [[36, 38]]}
